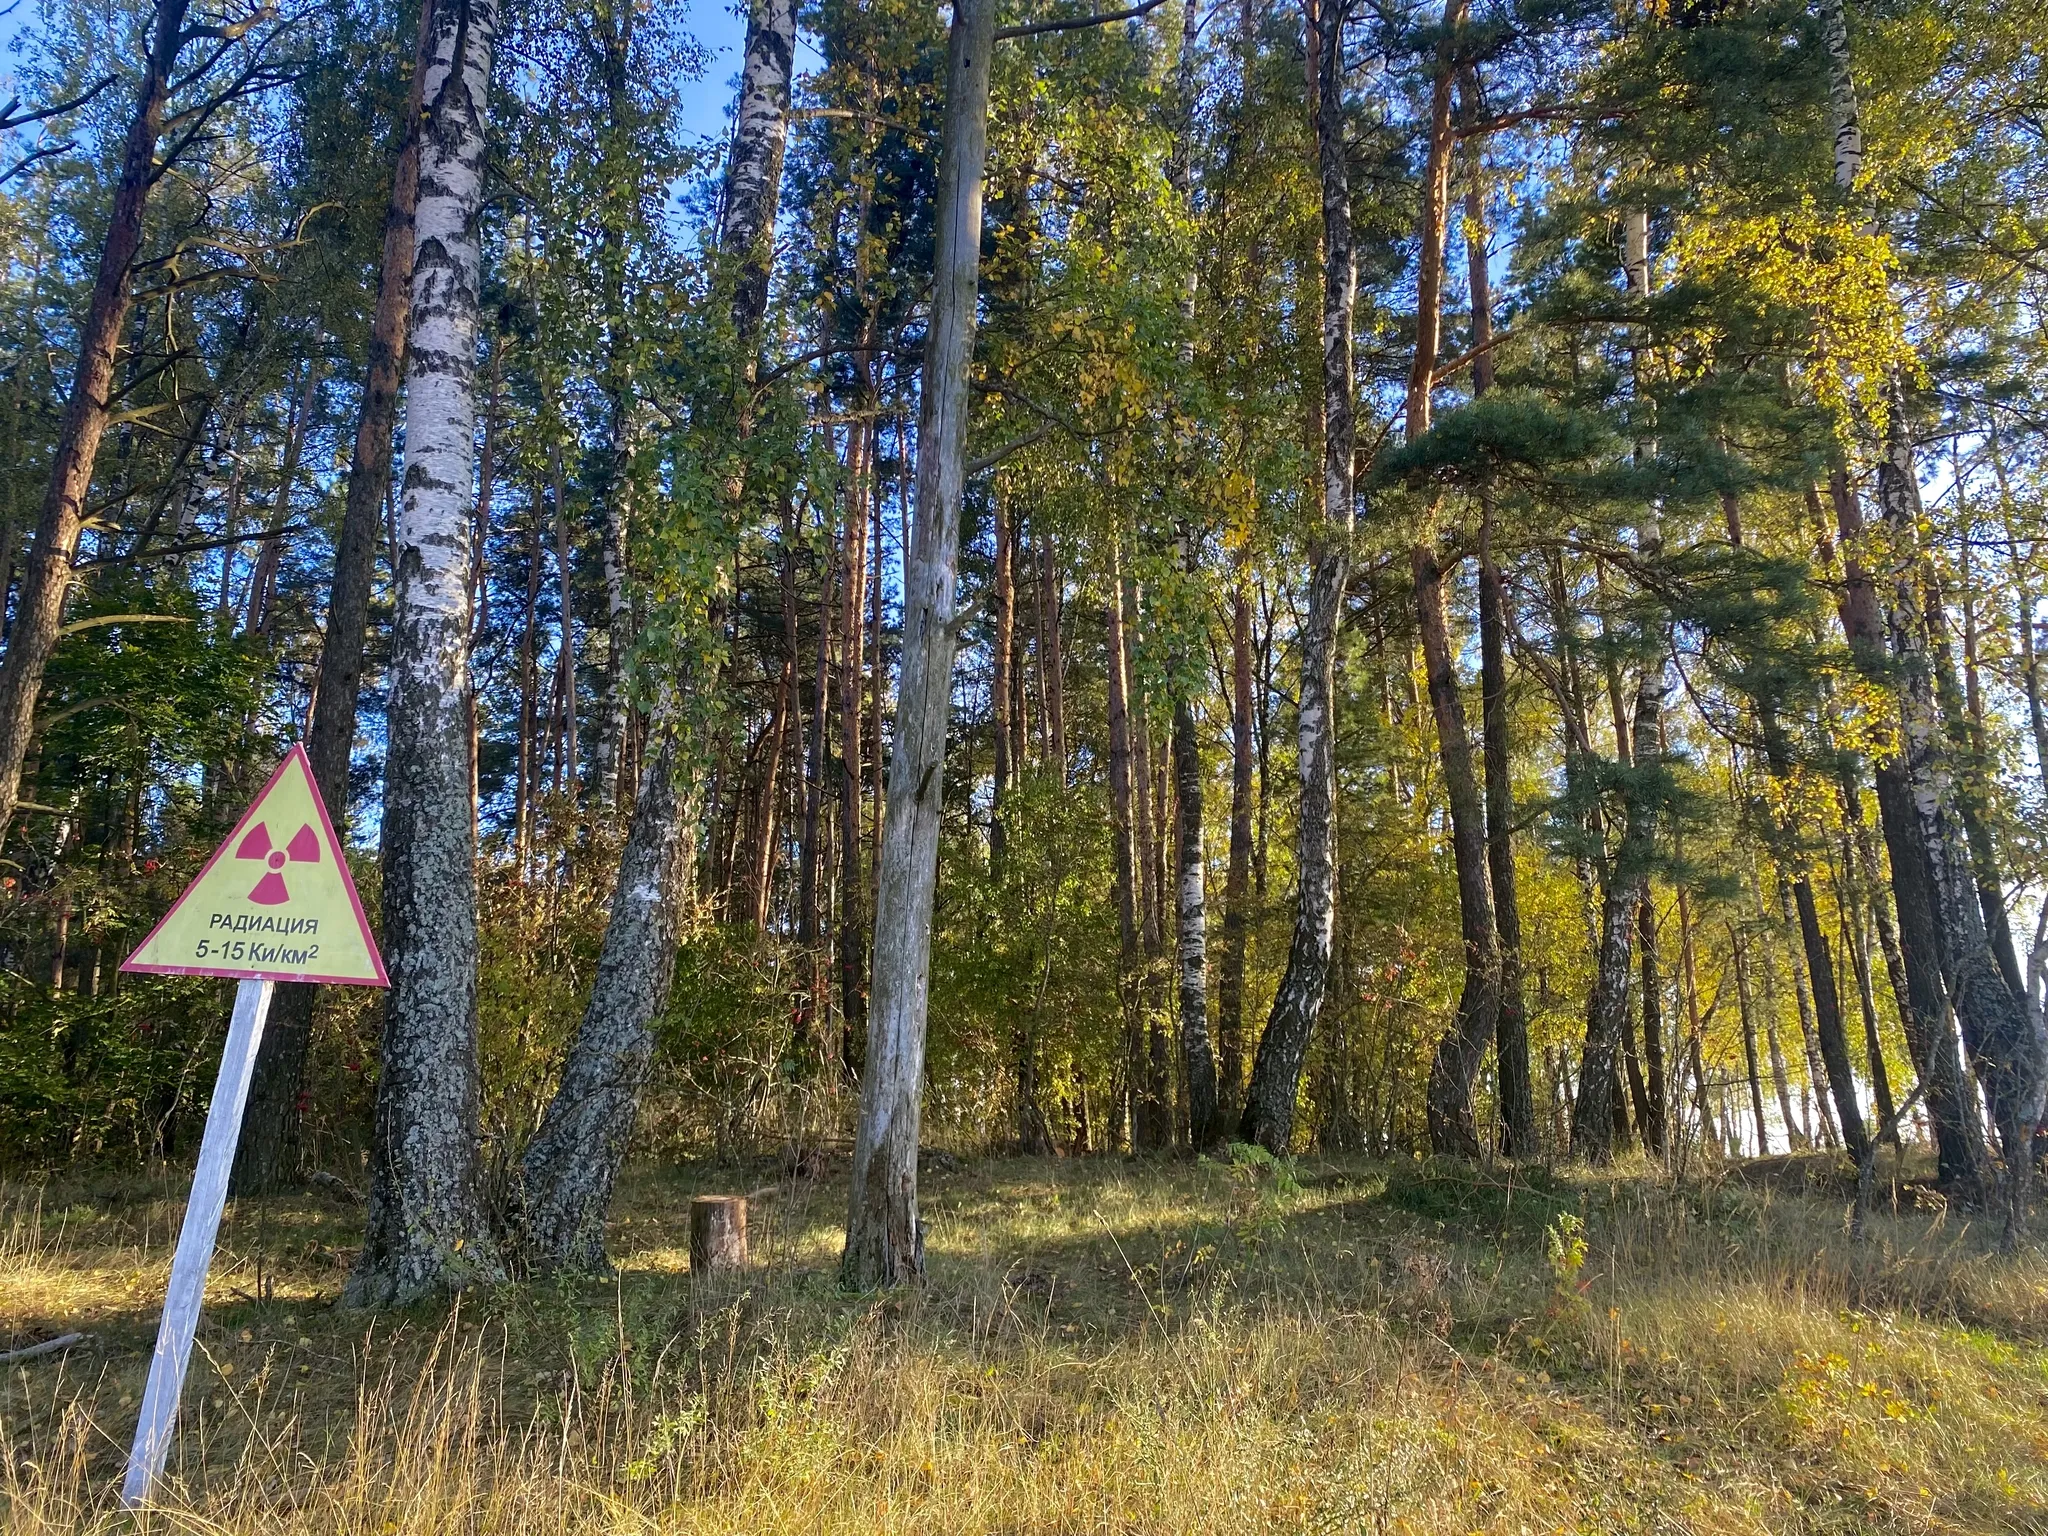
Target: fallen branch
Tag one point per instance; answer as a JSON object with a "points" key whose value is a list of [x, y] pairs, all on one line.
{"points": [[63, 1341]]}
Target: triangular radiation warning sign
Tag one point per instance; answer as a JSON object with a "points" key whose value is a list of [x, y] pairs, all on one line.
{"points": [[275, 901]]}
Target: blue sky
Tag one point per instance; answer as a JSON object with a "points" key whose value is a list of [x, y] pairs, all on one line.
{"points": [[720, 27]]}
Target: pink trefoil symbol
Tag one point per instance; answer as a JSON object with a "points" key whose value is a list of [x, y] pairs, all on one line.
{"points": [[304, 848]]}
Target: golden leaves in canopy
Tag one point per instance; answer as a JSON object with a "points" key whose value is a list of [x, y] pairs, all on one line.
{"points": [[1826, 265]]}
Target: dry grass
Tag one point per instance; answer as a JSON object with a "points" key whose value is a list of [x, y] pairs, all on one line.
{"points": [[1104, 1347]]}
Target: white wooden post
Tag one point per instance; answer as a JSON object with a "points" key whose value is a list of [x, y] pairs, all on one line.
{"points": [[195, 1244]]}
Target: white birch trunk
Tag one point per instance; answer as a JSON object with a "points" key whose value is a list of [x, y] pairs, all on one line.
{"points": [[572, 1164], [2007, 1041], [427, 1230], [1283, 1048], [1198, 1056]]}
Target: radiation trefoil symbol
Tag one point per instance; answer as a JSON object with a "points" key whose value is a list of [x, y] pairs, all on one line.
{"points": [[304, 848]]}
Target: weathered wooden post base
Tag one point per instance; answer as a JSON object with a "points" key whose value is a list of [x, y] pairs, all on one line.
{"points": [[718, 1233]]}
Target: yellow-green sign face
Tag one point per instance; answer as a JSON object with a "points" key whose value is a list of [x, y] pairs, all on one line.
{"points": [[275, 901]]}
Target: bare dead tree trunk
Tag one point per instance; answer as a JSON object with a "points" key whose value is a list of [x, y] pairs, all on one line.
{"points": [[427, 1230], [884, 1237]]}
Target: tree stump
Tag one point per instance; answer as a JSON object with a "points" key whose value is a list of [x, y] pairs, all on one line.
{"points": [[718, 1233]]}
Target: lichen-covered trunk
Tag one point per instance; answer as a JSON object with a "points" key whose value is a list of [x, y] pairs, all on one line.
{"points": [[573, 1161], [884, 1237], [570, 1168], [268, 1151], [427, 1231], [1283, 1047], [46, 575]]}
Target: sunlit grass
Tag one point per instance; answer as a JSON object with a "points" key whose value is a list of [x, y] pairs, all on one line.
{"points": [[1103, 1346]]}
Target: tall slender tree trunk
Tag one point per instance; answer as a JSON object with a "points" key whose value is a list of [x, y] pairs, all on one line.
{"points": [[1000, 698], [1155, 1118], [1124, 852], [761, 876], [572, 1164], [2004, 1042], [1926, 949], [46, 577], [1828, 1025], [525, 791], [2023, 603], [1052, 617], [1656, 1093], [1511, 1019], [1237, 881], [884, 1237], [1198, 1059], [565, 645], [1756, 1081], [1453, 1125], [853, 958], [1283, 1048], [427, 1229], [614, 26], [1629, 877]]}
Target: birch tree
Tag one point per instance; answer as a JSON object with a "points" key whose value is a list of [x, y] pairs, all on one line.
{"points": [[270, 1128], [1283, 1048], [572, 1164], [427, 1230], [1917, 798]]}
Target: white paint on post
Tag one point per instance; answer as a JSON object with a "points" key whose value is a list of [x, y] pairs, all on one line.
{"points": [[195, 1244]]}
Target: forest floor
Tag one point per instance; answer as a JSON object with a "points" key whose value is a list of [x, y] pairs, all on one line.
{"points": [[1104, 1346]]}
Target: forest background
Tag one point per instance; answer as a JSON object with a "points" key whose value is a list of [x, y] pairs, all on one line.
{"points": [[1492, 552]]}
